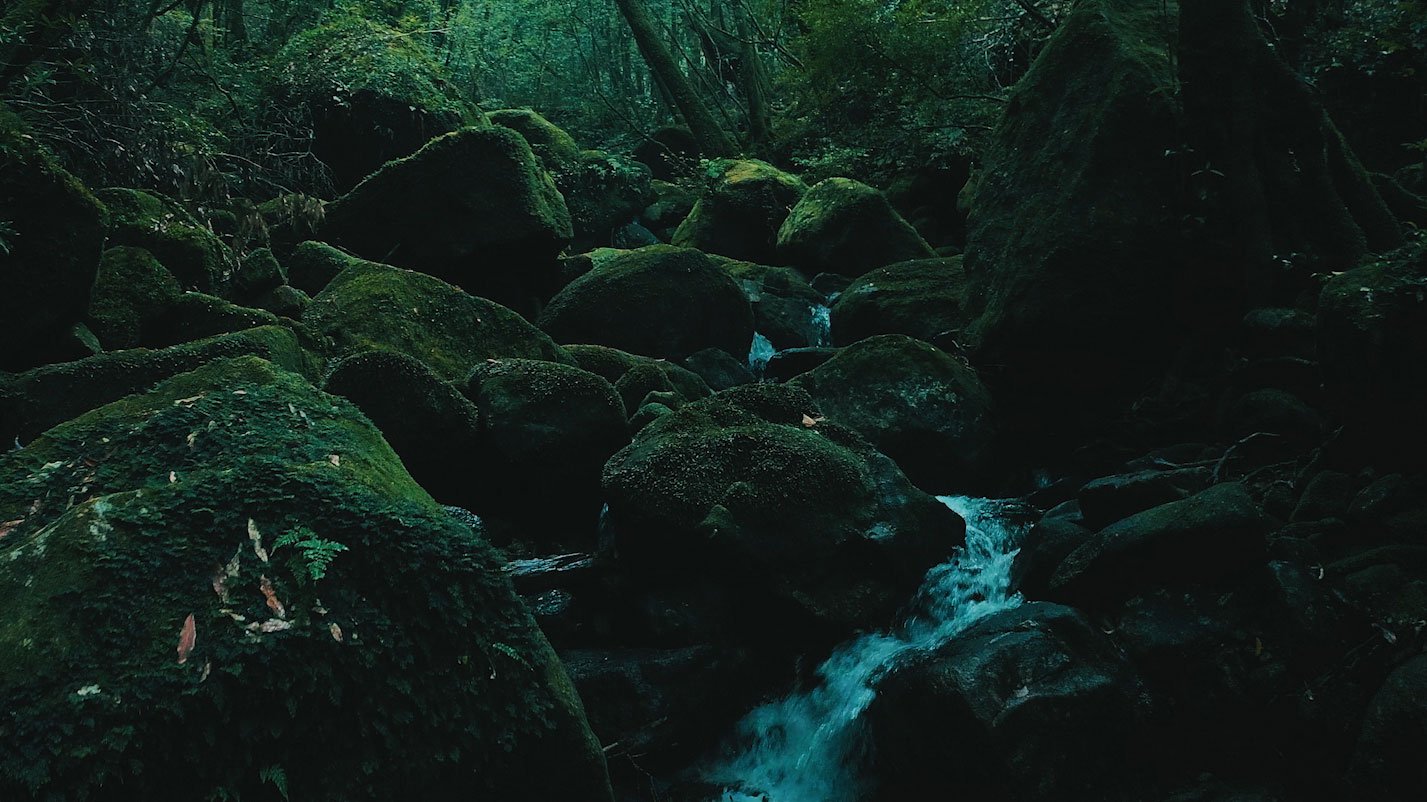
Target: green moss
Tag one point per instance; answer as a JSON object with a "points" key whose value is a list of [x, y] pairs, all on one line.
{"points": [[190, 251], [925, 299], [410, 667], [54, 234], [844, 226], [741, 210], [636, 376], [783, 302], [658, 301], [371, 307], [259, 273], [43, 397], [313, 265], [131, 295], [195, 315], [555, 148]]}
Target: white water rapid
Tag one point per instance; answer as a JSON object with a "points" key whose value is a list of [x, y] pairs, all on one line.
{"points": [[801, 748], [760, 353]]}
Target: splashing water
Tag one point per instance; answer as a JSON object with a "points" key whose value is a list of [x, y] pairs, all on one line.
{"points": [[761, 352], [822, 325], [800, 748]]}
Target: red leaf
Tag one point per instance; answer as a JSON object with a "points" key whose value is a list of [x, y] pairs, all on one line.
{"points": [[187, 639], [274, 603]]}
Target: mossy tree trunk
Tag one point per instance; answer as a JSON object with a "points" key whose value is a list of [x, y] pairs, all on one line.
{"points": [[712, 139]]}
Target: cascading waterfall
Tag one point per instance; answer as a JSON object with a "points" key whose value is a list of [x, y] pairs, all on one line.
{"points": [[760, 353], [800, 748]]}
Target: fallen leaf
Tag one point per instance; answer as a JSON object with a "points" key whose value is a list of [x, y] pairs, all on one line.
{"points": [[172, 477], [274, 603], [192, 436], [335, 460], [336, 632], [187, 639], [8, 526], [188, 402], [810, 421], [240, 392], [207, 669], [274, 625]]}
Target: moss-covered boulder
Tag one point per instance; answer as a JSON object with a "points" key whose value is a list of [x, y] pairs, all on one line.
{"points": [[132, 295], [232, 587], [35, 400], [636, 377], [284, 301], [786, 308], [546, 431], [372, 307], [313, 265], [51, 237], [671, 203], [552, 145], [925, 299], [196, 315], [427, 422], [844, 226], [374, 93], [796, 517], [743, 205], [917, 404], [657, 301], [605, 194], [190, 251], [259, 272], [473, 207], [290, 220]]}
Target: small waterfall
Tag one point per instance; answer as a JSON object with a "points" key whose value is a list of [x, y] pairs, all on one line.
{"points": [[822, 325], [800, 748], [761, 352]]}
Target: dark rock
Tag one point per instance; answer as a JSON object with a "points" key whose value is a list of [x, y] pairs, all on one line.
{"points": [[1111, 498], [844, 226], [1327, 495], [1011, 703], [191, 252], [790, 362], [637, 376], [1279, 332], [672, 203], [741, 209], [915, 403], [1274, 412], [1049, 542], [131, 297], [1206, 536], [786, 308], [658, 301], [259, 273], [669, 153], [1388, 764], [195, 315], [924, 299], [718, 369]]}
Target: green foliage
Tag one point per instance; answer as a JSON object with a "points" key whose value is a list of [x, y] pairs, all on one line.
{"points": [[7, 235], [317, 553]]}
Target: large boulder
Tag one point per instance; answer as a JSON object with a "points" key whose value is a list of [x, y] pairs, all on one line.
{"points": [[546, 430], [925, 299], [132, 295], [551, 144], [473, 207], [374, 94], [844, 226], [786, 308], [1033, 703], [915, 403], [1215, 533], [50, 242], [798, 520], [428, 422], [187, 248], [658, 301], [1387, 762], [641, 379], [742, 207], [35, 400], [232, 587], [372, 307]]}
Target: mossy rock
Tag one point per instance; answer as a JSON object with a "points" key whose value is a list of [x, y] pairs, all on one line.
{"points": [[786, 308], [844, 226], [925, 299], [915, 403], [313, 265], [670, 205], [191, 252], [195, 315], [635, 377], [232, 587], [371, 307], [291, 220], [51, 238], [546, 431], [797, 518], [657, 301], [740, 211], [259, 273], [473, 207], [428, 422], [605, 194], [374, 93], [286, 302], [35, 400], [555, 148], [132, 295]]}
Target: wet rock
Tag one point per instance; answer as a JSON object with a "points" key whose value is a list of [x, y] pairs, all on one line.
{"points": [[924, 299], [1111, 498], [1049, 542], [216, 485], [718, 369], [672, 203], [1011, 703], [1211, 534], [741, 209], [844, 226], [372, 307], [658, 301], [915, 403]]}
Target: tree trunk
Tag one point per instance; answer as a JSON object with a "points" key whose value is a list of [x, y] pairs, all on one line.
{"points": [[712, 139]]}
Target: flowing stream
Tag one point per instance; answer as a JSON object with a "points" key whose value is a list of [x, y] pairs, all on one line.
{"points": [[802, 748]]}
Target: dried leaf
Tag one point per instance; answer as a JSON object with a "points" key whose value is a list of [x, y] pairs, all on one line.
{"points": [[8, 526], [274, 603], [257, 539], [172, 477], [187, 639], [336, 632], [335, 460], [274, 625], [207, 669], [240, 392], [192, 436], [188, 402], [809, 421]]}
